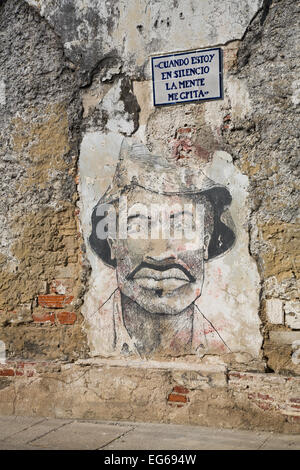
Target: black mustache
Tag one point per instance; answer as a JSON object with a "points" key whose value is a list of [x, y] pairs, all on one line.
{"points": [[164, 266]]}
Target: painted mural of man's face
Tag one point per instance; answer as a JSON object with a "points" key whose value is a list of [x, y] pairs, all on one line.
{"points": [[162, 275]]}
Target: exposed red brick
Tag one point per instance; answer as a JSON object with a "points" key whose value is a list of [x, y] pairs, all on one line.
{"points": [[202, 153], [295, 400], [54, 301], [19, 372], [184, 130], [235, 374], [296, 406], [180, 389], [265, 397], [240, 376], [43, 317], [66, 318], [7, 372], [263, 406], [177, 398], [227, 117], [20, 365], [29, 373]]}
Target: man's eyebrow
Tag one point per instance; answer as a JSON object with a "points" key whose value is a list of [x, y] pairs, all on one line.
{"points": [[181, 213], [133, 216]]}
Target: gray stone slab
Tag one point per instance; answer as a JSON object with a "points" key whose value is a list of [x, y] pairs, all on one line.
{"points": [[12, 445], [80, 436], [282, 442], [37, 430], [10, 425], [22, 433], [176, 437]]}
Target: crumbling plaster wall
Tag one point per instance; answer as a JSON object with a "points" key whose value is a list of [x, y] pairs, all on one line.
{"points": [[265, 146], [40, 248], [77, 73]]}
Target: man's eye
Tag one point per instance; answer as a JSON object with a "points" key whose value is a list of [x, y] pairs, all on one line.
{"points": [[137, 229], [133, 228], [178, 223]]}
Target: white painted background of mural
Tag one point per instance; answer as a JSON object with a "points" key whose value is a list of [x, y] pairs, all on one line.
{"points": [[231, 288], [98, 159]]}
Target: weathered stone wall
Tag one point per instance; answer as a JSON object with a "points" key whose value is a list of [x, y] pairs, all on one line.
{"points": [[41, 275], [265, 147], [75, 82]]}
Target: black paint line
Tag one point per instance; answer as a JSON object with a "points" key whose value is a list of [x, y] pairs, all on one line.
{"points": [[213, 327], [106, 300]]}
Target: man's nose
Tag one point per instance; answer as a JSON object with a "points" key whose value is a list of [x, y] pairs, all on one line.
{"points": [[161, 249]]}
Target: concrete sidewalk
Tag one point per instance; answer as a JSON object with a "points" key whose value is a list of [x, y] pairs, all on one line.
{"points": [[24, 433]]}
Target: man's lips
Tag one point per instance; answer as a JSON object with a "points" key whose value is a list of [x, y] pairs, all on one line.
{"points": [[161, 272], [173, 273]]}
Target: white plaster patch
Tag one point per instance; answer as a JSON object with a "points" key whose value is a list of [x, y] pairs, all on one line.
{"points": [[2, 93], [143, 94], [296, 352], [2, 352], [118, 120], [296, 92], [292, 314], [214, 115], [238, 94], [274, 310]]}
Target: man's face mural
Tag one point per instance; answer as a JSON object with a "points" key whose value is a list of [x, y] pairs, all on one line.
{"points": [[163, 272]]}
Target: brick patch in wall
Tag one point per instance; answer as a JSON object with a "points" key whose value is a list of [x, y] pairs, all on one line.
{"points": [[178, 396], [17, 369], [43, 317], [63, 318], [7, 372], [284, 390], [279, 404], [265, 402], [54, 301], [66, 318], [27, 368]]}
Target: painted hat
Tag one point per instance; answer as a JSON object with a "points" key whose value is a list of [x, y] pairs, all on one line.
{"points": [[138, 168]]}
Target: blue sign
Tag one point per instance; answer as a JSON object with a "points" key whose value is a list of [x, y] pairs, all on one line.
{"points": [[188, 76]]}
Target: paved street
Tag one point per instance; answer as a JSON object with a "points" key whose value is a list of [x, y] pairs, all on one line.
{"points": [[25, 433]]}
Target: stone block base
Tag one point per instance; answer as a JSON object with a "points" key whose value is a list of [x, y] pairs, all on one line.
{"points": [[151, 391]]}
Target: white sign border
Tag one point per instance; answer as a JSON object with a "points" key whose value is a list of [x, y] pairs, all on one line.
{"points": [[186, 53]]}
